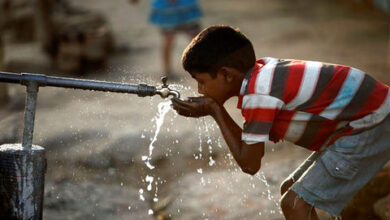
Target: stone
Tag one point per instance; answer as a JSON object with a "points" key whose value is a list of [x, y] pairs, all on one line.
{"points": [[382, 208]]}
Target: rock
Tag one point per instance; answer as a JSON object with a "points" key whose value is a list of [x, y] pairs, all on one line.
{"points": [[162, 204], [382, 208], [362, 204], [84, 201]]}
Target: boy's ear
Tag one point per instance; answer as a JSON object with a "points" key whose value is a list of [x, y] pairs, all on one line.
{"points": [[227, 73]]}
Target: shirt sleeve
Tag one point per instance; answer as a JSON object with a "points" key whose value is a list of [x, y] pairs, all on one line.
{"points": [[259, 112]]}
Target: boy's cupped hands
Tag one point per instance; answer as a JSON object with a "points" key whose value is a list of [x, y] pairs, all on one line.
{"points": [[195, 106]]}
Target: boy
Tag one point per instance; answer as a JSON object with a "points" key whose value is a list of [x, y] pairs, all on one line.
{"points": [[337, 111]]}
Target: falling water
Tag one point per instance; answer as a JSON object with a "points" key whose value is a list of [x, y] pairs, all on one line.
{"points": [[163, 109], [204, 130]]}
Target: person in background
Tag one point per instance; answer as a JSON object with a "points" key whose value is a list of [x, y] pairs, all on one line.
{"points": [[172, 17]]}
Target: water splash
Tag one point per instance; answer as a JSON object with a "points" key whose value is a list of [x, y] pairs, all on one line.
{"points": [[261, 176], [199, 156], [141, 194], [149, 179], [163, 109], [207, 144]]}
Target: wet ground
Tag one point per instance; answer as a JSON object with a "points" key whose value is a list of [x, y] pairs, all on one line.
{"points": [[95, 141]]}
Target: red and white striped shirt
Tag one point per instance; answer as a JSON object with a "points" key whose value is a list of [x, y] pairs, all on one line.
{"points": [[309, 103]]}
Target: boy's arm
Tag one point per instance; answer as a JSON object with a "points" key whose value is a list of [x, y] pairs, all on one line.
{"points": [[247, 156]]}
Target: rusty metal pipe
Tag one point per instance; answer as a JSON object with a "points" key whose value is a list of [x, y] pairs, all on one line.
{"points": [[43, 80]]}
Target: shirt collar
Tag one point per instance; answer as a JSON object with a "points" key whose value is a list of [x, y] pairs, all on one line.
{"points": [[245, 81], [256, 67]]}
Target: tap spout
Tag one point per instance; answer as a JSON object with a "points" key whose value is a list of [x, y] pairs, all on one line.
{"points": [[165, 92], [175, 94]]}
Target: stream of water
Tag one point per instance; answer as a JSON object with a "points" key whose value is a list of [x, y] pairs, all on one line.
{"points": [[203, 133], [163, 109]]}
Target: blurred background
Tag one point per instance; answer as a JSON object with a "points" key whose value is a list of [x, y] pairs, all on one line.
{"points": [[95, 141]]}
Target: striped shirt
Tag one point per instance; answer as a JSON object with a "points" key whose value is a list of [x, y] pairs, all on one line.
{"points": [[309, 103]]}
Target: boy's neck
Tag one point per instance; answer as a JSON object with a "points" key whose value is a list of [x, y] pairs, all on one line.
{"points": [[237, 86]]}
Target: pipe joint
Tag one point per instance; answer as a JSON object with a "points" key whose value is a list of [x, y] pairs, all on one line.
{"points": [[39, 79], [146, 90]]}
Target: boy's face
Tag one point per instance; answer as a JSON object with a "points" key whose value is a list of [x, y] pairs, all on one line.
{"points": [[219, 88]]}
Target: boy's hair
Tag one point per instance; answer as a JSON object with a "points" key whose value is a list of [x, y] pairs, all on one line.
{"points": [[218, 46]]}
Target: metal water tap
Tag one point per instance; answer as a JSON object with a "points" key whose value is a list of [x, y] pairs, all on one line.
{"points": [[165, 91]]}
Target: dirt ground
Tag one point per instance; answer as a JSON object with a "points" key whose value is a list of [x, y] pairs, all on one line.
{"points": [[99, 138]]}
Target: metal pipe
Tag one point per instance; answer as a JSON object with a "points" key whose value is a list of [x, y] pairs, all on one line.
{"points": [[29, 114], [10, 77], [43, 80]]}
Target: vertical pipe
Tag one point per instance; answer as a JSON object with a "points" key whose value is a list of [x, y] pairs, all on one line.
{"points": [[22, 170], [29, 114]]}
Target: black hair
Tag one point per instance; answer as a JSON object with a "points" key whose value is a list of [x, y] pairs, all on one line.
{"points": [[218, 46]]}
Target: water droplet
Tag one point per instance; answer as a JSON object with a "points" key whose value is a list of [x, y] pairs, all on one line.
{"points": [[149, 179], [141, 196], [163, 109], [211, 162], [202, 181]]}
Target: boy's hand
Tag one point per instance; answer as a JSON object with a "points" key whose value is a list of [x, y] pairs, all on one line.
{"points": [[194, 106]]}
